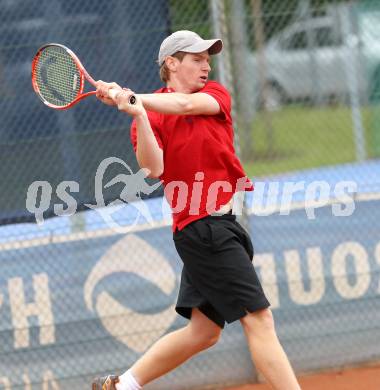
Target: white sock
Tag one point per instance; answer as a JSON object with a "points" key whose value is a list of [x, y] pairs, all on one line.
{"points": [[127, 382]]}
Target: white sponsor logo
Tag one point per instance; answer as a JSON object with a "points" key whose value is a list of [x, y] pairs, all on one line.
{"points": [[130, 327]]}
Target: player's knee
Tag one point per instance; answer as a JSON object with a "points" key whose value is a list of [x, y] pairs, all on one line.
{"points": [[261, 320], [206, 339], [203, 332]]}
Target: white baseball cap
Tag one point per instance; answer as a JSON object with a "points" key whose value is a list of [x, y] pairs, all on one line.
{"points": [[188, 42]]}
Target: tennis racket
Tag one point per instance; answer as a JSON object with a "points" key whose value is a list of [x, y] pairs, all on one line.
{"points": [[58, 77]]}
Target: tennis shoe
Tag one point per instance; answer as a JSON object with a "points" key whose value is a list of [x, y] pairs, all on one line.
{"points": [[105, 382]]}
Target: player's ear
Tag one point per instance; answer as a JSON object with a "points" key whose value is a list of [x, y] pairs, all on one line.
{"points": [[171, 63]]}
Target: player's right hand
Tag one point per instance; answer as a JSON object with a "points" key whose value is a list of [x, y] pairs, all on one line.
{"points": [[102, 89], [121, 98]]}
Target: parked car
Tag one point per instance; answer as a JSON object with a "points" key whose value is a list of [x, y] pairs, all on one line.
{"points": [[312, 59]]}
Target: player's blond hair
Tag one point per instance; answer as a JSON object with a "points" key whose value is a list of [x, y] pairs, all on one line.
{"points": [[164, 70]]}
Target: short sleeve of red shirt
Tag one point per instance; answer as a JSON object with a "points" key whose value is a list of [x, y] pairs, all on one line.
{"points": [[221, 95], [152, 121]]}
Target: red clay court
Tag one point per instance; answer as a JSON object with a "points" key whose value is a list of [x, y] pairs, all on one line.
{"points": [[361, 378]]}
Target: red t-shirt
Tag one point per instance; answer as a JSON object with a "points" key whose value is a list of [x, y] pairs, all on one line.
{"points": [[201, 169]]}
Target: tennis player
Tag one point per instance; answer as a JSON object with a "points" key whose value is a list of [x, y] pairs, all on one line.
{"points": [[183, 135]]}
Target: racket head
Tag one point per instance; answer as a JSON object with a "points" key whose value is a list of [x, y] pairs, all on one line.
{"points": [[58, 76]]}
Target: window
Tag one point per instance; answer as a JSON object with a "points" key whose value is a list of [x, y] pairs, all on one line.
{"points": [[325, 37], [297, 41]]}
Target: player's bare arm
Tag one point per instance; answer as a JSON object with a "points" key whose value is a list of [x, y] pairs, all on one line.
{"points": [[174, 103], [149, 155], [181, 103]]}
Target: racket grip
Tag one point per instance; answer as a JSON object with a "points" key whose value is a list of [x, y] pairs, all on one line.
{"points": [[112, 93]]}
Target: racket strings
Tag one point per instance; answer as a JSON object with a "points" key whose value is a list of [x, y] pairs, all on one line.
{"points": [[57, 76]]}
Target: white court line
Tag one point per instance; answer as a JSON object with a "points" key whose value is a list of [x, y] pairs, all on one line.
{"points": [[78, 236]]}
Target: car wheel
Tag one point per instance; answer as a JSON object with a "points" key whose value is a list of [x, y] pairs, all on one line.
{"points": [[274, 97]]}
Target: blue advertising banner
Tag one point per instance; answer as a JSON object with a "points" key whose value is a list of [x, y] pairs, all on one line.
{"points": [[73, 305]]}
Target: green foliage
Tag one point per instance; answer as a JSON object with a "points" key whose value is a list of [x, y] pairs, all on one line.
{"points": [[190, 15]]}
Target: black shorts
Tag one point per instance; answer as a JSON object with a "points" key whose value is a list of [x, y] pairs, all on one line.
{"points": [[218, 277]]}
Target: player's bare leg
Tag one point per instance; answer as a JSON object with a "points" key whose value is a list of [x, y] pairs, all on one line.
{"points": [[267, 352], [175, 348]]}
